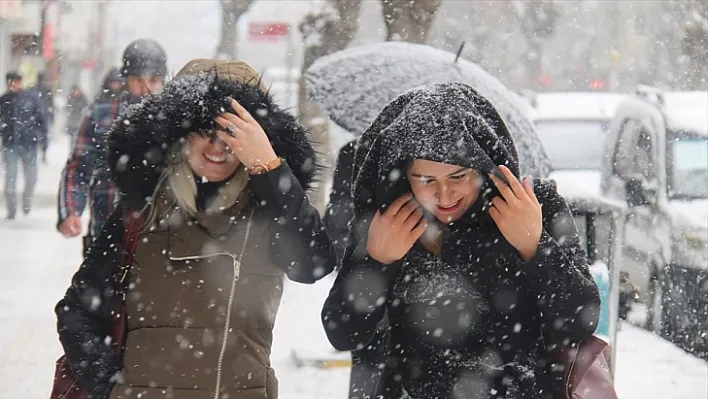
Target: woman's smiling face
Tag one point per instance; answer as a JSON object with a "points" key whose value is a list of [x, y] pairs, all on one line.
{"points": [[211, 159], [445, 190]]}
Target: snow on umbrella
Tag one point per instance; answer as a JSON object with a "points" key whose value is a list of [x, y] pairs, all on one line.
{"points": [[353, 85]]}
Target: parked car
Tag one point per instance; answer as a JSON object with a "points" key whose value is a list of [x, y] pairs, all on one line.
{"points": [[657, 163], [572, 127]]}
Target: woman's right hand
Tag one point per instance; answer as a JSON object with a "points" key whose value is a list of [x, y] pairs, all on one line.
{"points": [[393, 233]]}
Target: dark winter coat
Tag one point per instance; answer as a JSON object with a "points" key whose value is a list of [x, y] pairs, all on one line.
{"points": [[113, 75], [23, 122], [340, 207], [200, 320], [45, 93], [466, 324], [75, 106]]}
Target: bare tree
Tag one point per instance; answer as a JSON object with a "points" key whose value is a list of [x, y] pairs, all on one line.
{"points": [[690, 27], [410, 20], [231, 11], [537, 21], [324, 33]]}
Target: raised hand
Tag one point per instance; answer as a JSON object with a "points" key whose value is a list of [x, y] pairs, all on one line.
{"points": [[517, 214], [245, 136], [393, 233]]}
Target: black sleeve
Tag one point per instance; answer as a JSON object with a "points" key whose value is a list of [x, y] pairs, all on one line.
{"points": [[559, 274], [340, 208], [299, 244], [40, 120], [358, 299], [85, 314], [4, 119]]}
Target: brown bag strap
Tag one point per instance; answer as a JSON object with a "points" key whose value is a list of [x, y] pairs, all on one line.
{"points": [[133, 223]]}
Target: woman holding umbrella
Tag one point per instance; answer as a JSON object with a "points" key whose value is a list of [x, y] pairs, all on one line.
{"points": [[472, 265]]}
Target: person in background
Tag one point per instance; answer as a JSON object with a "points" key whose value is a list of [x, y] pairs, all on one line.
{"points": [[365, 368], [76, 104], [85, 178], [46, 94], [113, 84], [340, 207], [23, 129]]}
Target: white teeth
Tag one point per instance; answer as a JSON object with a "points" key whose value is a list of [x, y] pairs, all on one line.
{"points": [[213, 158], [451, 206]]}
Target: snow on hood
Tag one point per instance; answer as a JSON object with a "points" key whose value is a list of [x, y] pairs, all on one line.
{"points": [[578, 183], [691, 213], [575, 106], [687, 111], [353, 85], [443, 122]]}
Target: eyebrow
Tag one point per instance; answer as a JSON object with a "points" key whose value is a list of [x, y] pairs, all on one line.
{"points": [[457, 172]]}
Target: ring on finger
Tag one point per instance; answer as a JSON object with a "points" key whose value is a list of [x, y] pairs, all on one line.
{"points": [[231, 129]]}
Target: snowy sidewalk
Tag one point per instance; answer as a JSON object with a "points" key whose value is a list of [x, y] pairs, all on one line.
{"points": [[36, 264]]}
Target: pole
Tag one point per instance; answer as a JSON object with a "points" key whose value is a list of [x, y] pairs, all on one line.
{"points": [[616, 234], [101, 35]]}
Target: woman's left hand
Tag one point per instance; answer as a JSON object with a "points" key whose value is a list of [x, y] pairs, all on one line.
{"points": [[248, 140], [518, 215]]}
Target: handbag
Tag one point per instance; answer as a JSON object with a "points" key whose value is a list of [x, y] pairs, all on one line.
{"points": [[65, 385], [585, 369]]}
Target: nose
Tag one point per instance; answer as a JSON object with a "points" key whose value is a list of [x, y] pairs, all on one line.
{"points": [[217, 145], [445, 194]]}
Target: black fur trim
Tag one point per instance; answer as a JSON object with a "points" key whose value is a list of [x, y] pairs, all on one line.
{"points": [[141, 137]]}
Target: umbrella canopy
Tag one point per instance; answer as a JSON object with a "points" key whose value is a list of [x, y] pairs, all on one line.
{"points": [[353, 85]]}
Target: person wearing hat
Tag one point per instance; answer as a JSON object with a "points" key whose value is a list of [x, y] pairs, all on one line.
{"points": [[112, 85], [223, 218], [84, 179], [76, 104], [23, 128]]}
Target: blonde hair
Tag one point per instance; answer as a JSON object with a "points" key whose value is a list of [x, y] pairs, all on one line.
{"points": [[176, 189]]}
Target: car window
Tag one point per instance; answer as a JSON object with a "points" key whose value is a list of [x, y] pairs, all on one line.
{"points": [[623, 163], [644, 159], [688, 166]]}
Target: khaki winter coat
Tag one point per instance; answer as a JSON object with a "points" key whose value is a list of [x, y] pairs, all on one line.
{"points": [[188, 288], [199, 317]]}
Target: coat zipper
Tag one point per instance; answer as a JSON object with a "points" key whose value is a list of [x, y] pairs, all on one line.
{"points": [[237, 274]]}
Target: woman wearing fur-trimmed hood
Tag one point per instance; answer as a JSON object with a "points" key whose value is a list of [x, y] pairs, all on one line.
{"points": [[217, 173]]}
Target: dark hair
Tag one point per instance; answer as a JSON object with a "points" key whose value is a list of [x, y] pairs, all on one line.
{"points": [[12, 75]]}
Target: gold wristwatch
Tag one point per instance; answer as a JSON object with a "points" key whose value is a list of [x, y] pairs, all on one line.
{"points": [[265, 167]]}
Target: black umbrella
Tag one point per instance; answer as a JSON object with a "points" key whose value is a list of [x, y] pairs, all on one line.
{"points": [[353, 85]]}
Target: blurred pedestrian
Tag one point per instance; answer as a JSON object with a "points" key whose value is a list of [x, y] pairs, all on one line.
{"points": [[76, 105], [113, 85], [23, 129], [84, 179]]}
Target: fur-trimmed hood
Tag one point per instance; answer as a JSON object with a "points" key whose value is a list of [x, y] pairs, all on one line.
{"points": [[141, 138]]}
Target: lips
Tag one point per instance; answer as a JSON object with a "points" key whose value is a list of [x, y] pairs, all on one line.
{"points": [[450, 208], [217, 159]]}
